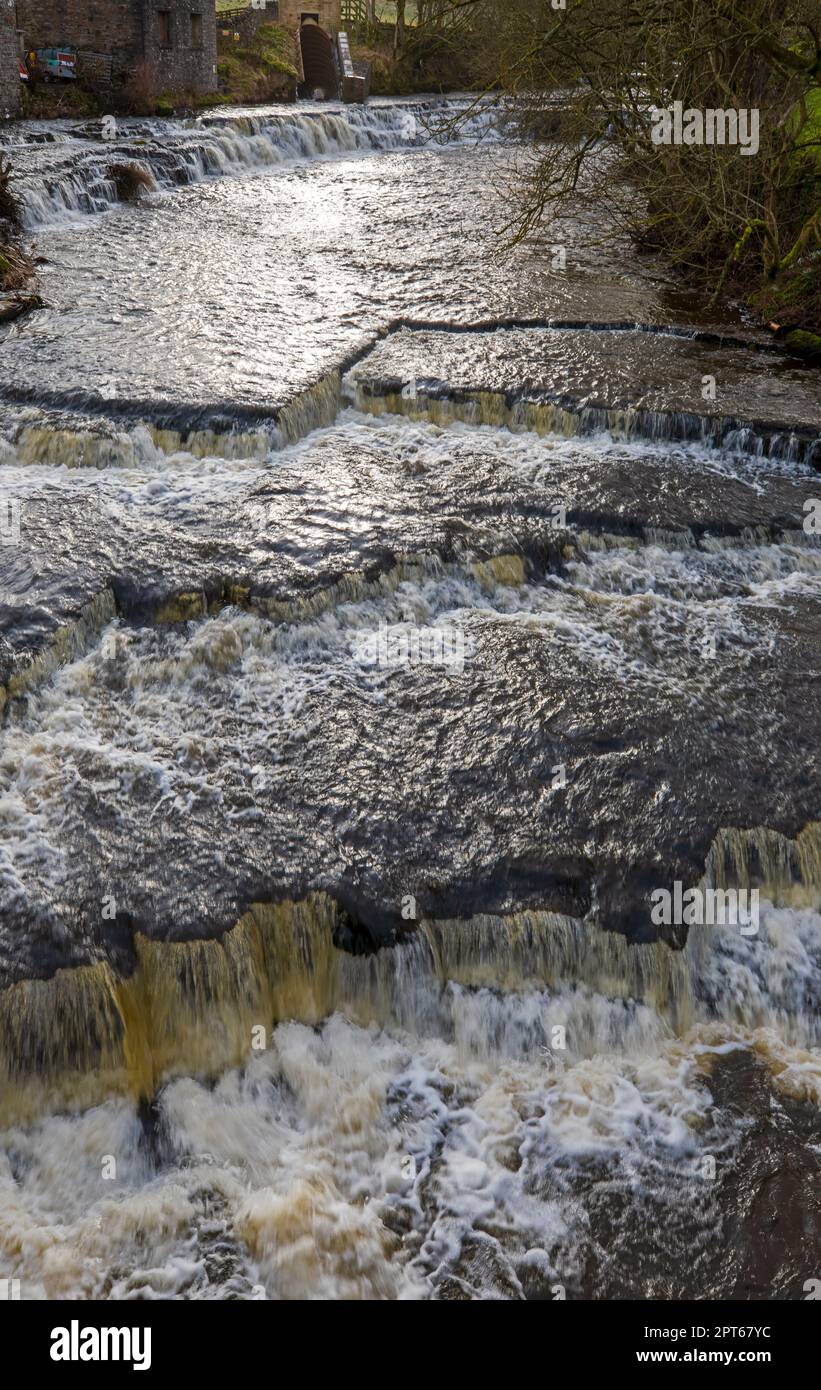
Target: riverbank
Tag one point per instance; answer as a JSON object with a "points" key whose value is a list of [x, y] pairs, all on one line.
{"points": [[16, 264], [748, 229], [791, 306]]}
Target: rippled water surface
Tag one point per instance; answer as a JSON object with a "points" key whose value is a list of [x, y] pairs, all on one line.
{"points": [[288, 252], [393, 613]]}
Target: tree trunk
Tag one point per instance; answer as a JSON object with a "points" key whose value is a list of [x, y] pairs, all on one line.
{"points": [[399, 32]]}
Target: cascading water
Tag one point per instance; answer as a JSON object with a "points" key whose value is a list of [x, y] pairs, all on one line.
{"points": [[387, 625], [431, 1118], [71, 177]]}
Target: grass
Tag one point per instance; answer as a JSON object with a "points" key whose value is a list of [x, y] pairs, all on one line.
{"points": [[262, 70], [59, 100], [274, 46], [15, 266]]}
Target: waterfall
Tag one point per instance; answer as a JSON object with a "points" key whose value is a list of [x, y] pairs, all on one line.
{"points": [[72, 177], [198, 1008], [106, 447], [520, 412], [69, 641]]}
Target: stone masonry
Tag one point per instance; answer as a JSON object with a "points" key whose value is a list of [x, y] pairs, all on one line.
{"points": [[247, 21], [9, 61], [173, 41], [327, 12]]}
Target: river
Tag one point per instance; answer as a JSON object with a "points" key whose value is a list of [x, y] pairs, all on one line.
{"points": [[391, 614]]}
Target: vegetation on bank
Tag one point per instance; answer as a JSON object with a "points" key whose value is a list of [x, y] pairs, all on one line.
{"points": [[54, 101], [414, 48], [262, 70], [16, 267], [426, 62], [588, 84], [139, 97], [579, 80]]}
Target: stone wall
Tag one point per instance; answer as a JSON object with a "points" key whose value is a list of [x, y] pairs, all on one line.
{"points": [[9, 60], [181, 49], [176, 39], [110, 26], [329, 12], [249, 20]]}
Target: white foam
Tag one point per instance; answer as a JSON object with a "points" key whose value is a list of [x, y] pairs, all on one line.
{"points": [[230, 146]]}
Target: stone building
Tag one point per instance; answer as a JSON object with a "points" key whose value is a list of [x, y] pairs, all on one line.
{"points": [[243, 21], [327, 13], [9, 61], [173, 41], [245, 18]]}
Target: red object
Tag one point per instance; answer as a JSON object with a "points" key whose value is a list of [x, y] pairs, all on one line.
{"points": [[24, 72]]}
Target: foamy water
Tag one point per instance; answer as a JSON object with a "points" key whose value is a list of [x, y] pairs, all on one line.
{"points": [[450, 1129], [454, 1159], [354, 1028], [68, 178]]}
